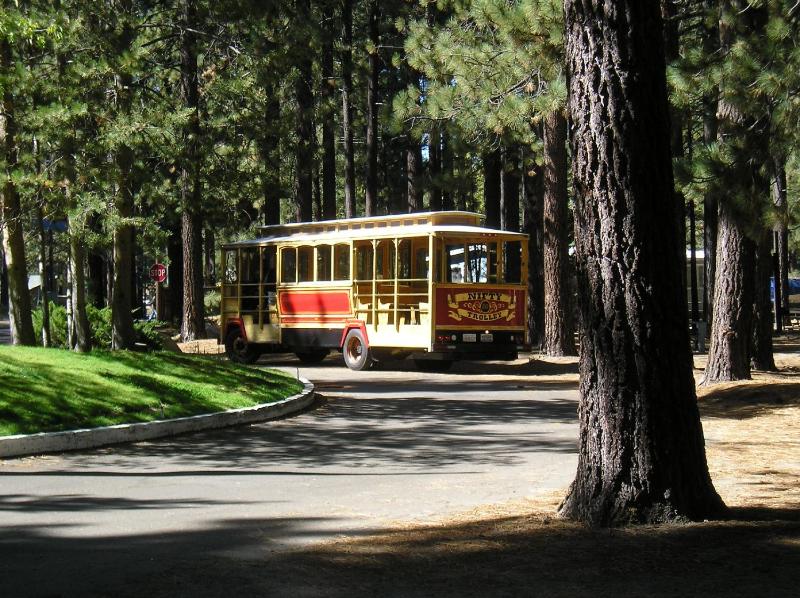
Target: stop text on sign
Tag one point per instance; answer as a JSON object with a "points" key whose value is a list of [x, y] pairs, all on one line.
{"points": [[158, 272]]}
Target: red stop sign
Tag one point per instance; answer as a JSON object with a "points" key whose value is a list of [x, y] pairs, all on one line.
{"points": [[158, 272]]}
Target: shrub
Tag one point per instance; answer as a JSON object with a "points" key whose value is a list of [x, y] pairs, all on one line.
{"points": [[99, 326], [211, 302]]}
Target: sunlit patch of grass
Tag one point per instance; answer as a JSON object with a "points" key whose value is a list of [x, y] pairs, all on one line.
{"points": [[47, 390]]}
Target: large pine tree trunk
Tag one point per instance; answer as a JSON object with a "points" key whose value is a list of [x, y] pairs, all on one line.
{"points": [[19, 300], [347, 110], [492, 174], [729, 354], [371, 179], [742, 132], [193, 322], [641, 451], [559, 331]]}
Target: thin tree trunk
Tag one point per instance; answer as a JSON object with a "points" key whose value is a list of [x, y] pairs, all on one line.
{"points": [[328, 115], [43, 276], [558, 333], [122, 333], [710, 34], [641, 453], [435, 168], [761, 355], [779, 199], [270, 156], [347, 110], [304, 97], [413, 171], [19, 299], [492, 175], [77, 258], [447, 172], [193, 323], [371, 179], [509, 190], [533, 198]]}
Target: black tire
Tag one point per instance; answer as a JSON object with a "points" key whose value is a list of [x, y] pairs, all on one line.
{"points": [[356, 352], [312, 356], [433, 365], [238, 349]]}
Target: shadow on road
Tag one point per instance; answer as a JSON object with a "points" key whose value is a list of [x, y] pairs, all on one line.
{"points": [[341, 432], [506, 556]]}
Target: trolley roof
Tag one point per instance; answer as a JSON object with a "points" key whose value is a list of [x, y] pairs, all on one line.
{"points": [[411, 225]]}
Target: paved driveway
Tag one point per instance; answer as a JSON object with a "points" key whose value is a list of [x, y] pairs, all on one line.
{"points": [[379, 448]]}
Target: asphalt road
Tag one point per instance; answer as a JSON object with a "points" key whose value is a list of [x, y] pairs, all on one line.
{"points": [[378, 449]]}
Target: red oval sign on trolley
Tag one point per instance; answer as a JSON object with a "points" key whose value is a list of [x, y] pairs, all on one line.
{"points": [[158, 272]]}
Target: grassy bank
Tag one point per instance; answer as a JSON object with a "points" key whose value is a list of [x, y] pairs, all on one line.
{"points": [[48, 390]]}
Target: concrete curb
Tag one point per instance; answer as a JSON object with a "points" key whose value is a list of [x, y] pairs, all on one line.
{"points": [[56, 442]]}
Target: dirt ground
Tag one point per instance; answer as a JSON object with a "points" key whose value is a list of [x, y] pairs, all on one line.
{"points": [[521, 549]]}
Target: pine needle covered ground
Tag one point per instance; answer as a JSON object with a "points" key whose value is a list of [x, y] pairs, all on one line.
{"points": [[47, 390]]}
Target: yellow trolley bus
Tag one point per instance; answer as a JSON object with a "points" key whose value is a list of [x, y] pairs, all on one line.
{"points": [[433, 286]]}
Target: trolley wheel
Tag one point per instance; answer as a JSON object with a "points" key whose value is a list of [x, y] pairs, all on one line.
{"points": [[356, 352], [238, 349], [433, 365], [312, 355]]}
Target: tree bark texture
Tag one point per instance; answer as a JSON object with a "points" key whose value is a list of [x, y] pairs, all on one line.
{"points": [[492, 174], [729, 356], [558, 321], [347, 110], [761, 357], [371, 179], [19, 300], [641, 449], [533, 219], [193, 322]]}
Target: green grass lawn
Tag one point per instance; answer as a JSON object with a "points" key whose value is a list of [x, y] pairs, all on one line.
{"points": [[48, 390]]}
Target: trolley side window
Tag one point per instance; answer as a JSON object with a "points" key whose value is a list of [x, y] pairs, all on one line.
{"points": [[288, 264], [305, 264], [324, 263], [341, 261], [364, 262]]}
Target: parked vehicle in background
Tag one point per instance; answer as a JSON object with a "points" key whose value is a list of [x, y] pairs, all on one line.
{"points": [[435, 286]]}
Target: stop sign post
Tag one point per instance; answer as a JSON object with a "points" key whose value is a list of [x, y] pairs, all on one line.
{"points": [[158, 274]]}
